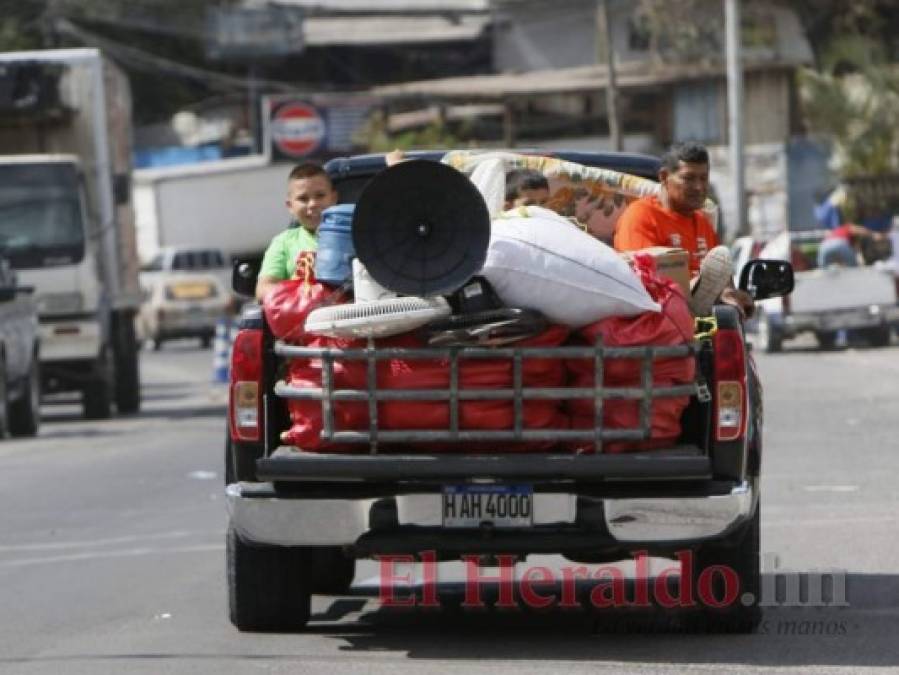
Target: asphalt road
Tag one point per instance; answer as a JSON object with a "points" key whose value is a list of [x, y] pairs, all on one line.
{"points": [[112, 557]]}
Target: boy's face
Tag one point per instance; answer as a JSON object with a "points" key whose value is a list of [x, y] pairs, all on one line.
{"points": [[531, 197], [308, 197]]}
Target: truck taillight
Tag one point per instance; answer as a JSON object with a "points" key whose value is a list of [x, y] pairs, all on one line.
{"points": [[245, 401], [730, 385]]}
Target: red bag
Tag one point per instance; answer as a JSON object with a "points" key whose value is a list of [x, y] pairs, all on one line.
{"points": [[473, 374], [286, 307], [673, 325], [288, 304], [306, 415]]}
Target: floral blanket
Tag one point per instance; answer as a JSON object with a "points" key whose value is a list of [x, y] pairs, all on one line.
{"points": [[595, 197]]}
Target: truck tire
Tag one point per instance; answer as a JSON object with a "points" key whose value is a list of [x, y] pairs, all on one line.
{"points": [[332, 570], [827, 339], [267, 590], [4, 400], [742, 556], [25, 413], [770, 338], [127, 368], [97, 393], [878, 337]]}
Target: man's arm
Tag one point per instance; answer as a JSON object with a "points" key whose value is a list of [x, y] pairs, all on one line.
{"points": [[739, 299], [273, 268], [264, 284]]}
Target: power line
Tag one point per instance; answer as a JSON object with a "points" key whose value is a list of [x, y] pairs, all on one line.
{"points": [[140, 59]]}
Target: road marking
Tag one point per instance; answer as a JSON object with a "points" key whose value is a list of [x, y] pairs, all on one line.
{"points": [[202, 475], [127, 553], [830, 488], [829, 521], [58, 545]]}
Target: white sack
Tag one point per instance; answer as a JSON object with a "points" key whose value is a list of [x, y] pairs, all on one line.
{"points": [[489, 178], [553, 267]]}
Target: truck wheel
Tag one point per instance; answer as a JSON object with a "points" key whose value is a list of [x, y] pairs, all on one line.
{"points": [[127, 369], [827, 339], [97, 394], [744, 615], [332, 570], [878, 337], [266, 586], [25, 414], [4, 403], [770, 339]]}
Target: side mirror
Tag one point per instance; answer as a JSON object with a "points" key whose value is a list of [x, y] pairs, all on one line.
{"points": [[763, 278], [243, 277]]}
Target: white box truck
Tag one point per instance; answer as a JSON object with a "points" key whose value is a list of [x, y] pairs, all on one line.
{"points": [[66, 220], [236, 205]]}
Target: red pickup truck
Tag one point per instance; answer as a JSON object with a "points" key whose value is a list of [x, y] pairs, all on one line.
{"points": [[299, 520]]}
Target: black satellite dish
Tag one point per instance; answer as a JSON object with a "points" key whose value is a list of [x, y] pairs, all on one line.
{"points": [[421, 228]]}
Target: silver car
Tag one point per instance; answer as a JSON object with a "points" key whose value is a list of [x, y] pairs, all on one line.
{"points": [[182, 305]]}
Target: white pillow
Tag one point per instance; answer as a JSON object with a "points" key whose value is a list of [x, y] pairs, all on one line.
{"points": [[547, 264]]}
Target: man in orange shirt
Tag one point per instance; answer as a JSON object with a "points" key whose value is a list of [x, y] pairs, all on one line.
{"points": [[675, 218]]}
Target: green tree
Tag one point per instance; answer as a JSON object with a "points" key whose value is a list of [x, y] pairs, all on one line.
{"points": [[20, 25], [854, 100]]}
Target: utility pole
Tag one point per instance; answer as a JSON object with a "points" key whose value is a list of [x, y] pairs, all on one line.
{"points": [[604, 36], [735, 110], [255, 119]]}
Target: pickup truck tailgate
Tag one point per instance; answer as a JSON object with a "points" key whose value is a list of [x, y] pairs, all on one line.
{"points": [[290, 464]]}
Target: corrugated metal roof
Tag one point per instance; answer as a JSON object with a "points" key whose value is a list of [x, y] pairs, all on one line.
{"points": [[558, 81], [380, 30], [384, 5]]}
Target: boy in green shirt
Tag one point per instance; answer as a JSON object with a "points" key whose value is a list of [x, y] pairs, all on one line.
{"points": [[309, 192]]}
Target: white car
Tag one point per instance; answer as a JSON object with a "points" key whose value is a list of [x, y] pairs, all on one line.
{"points": [[188, 259], [182, 305]]}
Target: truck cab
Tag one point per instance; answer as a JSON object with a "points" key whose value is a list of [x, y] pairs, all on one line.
{"points": [[67, 223]]}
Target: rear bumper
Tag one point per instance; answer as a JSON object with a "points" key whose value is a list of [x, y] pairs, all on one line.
{"points": [[70, 339], [185, 323], [562, 522]]}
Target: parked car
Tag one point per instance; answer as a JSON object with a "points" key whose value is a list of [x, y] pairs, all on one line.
{"points": [[182, 305], [20, 381]]}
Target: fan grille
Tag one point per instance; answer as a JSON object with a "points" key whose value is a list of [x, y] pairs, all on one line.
{"points": [[379, 318]]}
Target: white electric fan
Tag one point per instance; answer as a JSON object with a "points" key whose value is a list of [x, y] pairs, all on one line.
{"points": [[379, 318]]}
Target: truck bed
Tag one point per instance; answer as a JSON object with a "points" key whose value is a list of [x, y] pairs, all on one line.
{"points": [[836, 287]]}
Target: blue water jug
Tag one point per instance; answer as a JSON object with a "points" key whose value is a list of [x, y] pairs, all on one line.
{"points": [[335, 245]]}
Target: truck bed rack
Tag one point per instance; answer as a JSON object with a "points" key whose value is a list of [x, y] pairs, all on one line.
{"points": [[645, 393]]}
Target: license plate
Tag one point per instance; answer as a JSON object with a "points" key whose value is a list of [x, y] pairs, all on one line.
{"points": [[501, 505]]}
